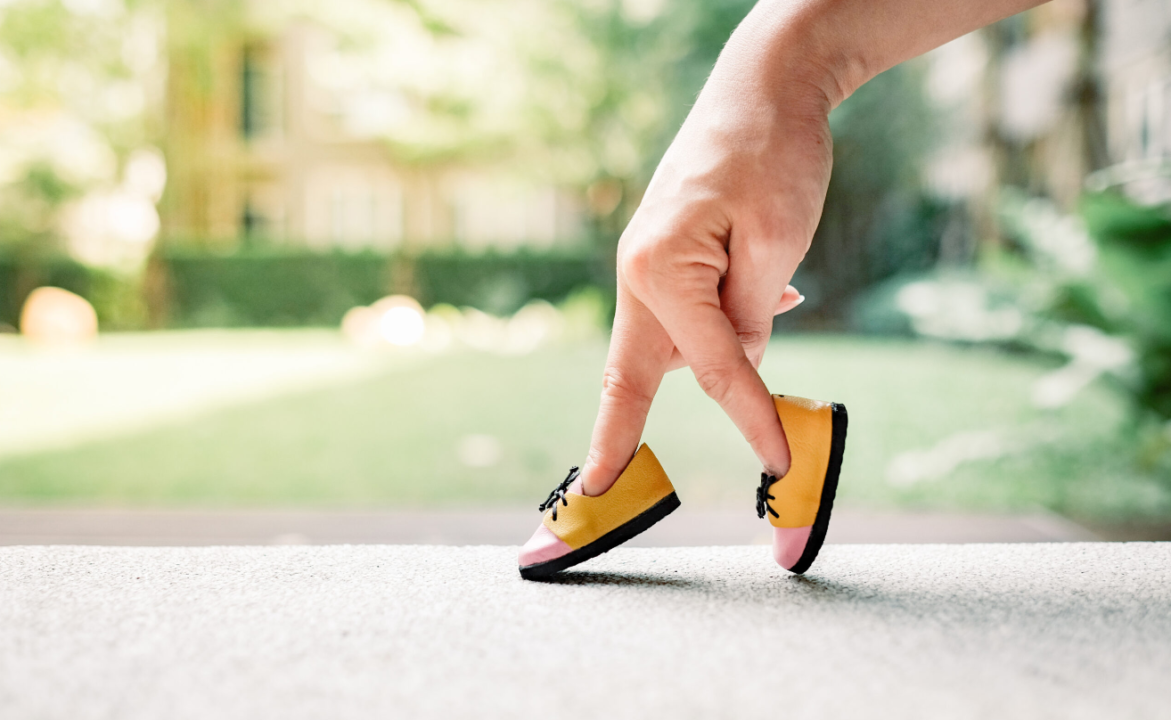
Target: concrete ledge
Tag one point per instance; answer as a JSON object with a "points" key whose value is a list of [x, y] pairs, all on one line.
{"points": [[1077, 630]]}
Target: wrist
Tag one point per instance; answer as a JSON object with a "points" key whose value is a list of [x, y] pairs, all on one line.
{"points": [[795, 51], [835, 46]]}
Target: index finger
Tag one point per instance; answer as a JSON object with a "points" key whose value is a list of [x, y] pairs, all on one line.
{"points": [[639, 352]]}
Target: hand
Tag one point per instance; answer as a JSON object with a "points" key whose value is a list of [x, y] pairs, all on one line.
{"points": [[729, 214], [705, 262]]}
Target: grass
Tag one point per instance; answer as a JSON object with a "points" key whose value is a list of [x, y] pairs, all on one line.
{"points": [[392, 437]]}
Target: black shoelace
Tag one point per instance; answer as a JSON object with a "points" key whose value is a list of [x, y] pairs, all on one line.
{"points": [[763, 496], [559, 493]]}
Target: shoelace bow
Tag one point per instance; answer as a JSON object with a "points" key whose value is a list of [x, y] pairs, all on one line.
{"points": [[763, 496], [559, 493]]}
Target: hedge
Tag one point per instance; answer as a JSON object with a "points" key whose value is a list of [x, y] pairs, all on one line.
{"points": [[20, 277], [293, 288]]}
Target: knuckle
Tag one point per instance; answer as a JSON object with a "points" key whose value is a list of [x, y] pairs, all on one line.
{"points": [[621, 390], [717, 379], [638, 263], [753, 334]]}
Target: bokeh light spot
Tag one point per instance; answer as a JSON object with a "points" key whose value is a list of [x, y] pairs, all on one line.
{"points": [[402, 326]]}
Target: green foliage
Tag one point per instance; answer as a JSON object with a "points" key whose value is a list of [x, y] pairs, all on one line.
{"points": [[1121, 284], [1105, 276], [29, 205], [876, 221], [76, 81], [605, 101], [254, 288], [1135, 300], [1107, 272], [502, 284], [116, 298], [882, 133], [267, 288], [1114, 219]]}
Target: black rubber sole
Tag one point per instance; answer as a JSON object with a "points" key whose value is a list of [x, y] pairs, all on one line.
{"points": [[606, 543], [828, 491]]}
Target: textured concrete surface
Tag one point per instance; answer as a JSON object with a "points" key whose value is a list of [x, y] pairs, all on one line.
{"points": [[963, 631], [687, 527]]}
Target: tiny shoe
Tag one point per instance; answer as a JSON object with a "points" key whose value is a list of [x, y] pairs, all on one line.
{"points": [[577, 527], [799, 504]]}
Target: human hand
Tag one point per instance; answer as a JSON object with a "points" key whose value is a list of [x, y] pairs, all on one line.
{"points": [[705, 262], [729, 214]]}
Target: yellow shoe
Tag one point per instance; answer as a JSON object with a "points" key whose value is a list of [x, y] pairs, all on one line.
{"points": [[577, 527], [799, 504]]}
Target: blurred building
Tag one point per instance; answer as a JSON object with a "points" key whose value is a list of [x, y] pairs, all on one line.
{"points": [[264, 143], [1041, 101], [1135, 69]]}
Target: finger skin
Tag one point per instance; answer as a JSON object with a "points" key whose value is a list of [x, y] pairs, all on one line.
{"points": [[639, 352], [790, 299], [752, 291], [685, 300]]}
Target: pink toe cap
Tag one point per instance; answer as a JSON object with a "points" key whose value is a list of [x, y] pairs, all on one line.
{"points": [[543, 546], [789, 545]]}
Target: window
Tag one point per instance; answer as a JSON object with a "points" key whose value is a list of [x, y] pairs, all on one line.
{"points": [[259, 88]]}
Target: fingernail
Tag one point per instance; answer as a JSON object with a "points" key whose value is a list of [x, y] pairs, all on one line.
{"points": [[800, 299]]}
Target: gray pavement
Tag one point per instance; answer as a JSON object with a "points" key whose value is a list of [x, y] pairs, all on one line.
{"points": [[1060, 630], [495, 526]]}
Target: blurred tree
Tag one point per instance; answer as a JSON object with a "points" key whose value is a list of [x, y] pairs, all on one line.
{"points": [[73, 95], [77, 81], [646, 61], [602, 101], [877, 220]]}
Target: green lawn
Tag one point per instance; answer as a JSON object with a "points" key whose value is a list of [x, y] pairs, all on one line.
{"points": [[391, 436]]}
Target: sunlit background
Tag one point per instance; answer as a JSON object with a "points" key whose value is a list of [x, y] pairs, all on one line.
{"points": [[359, 253]]}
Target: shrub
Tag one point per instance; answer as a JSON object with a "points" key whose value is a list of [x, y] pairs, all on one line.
{"points": [[1135, 258], [116, 298], [284, 288]]}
